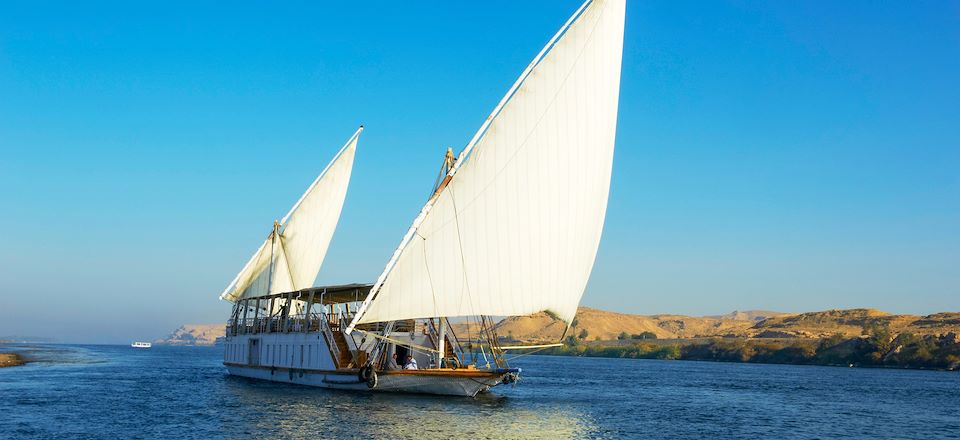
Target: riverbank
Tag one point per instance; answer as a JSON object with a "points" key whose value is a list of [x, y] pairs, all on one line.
{"points": [[11, 360], [877, 349]]}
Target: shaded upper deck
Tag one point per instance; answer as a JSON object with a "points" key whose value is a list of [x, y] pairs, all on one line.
{"points": [[339, 294]]}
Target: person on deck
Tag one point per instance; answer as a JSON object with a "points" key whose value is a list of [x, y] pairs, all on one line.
{"points": [[411, 363], [392, 363]]}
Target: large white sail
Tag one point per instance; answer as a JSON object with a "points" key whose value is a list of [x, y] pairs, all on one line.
{"points": [[516, 229], [297, 252]]}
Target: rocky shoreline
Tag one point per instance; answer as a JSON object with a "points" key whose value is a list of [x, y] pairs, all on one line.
{"points": [[11, 360]]}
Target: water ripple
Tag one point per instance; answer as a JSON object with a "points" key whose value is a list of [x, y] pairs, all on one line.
{"points": [[184, 392]]}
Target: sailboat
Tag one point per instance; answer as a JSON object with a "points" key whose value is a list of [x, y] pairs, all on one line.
{"points": [[511, 228]]}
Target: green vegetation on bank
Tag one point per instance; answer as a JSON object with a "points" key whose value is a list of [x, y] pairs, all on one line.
{"points": [[877, 347], [644, 335]]}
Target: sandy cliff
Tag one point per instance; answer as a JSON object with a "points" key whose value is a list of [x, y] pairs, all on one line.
{"points": [[194, 334], [602, 325]]}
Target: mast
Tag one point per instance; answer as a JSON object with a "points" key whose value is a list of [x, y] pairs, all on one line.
{"points": [[273, 258], [449, 161], [441, 344]]}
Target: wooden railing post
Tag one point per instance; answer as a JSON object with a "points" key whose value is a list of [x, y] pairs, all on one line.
{"points": [[309, 308], [245, 307], [270, 316]]}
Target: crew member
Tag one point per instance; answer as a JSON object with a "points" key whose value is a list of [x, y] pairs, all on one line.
{"points": [[411, 363]]}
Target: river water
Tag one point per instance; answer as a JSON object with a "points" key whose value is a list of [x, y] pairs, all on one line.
{"points": [[184, 392]]}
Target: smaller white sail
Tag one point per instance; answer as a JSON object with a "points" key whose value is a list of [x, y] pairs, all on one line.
{"points": [[290, 257]]}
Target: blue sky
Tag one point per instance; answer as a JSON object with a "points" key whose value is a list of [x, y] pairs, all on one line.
{"points": [[793, 156]]}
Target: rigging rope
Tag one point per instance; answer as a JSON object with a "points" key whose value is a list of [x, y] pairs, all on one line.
{"points": [[526, 354], [412, 346]]}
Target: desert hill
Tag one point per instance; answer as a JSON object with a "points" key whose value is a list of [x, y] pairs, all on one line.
{"points": [[596, 324], [592, 324], [852, 322], [194, 334], [603, 325], [748, 315]]}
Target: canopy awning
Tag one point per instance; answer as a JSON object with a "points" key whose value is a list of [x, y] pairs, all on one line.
{"points": [[339, 294]]}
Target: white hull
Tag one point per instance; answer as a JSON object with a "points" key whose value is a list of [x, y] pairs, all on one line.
{"points": [[425, 383], [305, 359]]}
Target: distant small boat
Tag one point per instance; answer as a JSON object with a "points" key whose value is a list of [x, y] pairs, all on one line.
{"points": [[141, 345]]}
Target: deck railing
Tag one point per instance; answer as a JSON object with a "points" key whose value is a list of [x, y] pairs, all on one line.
{"points": [[299, 323], [273, 325]]}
